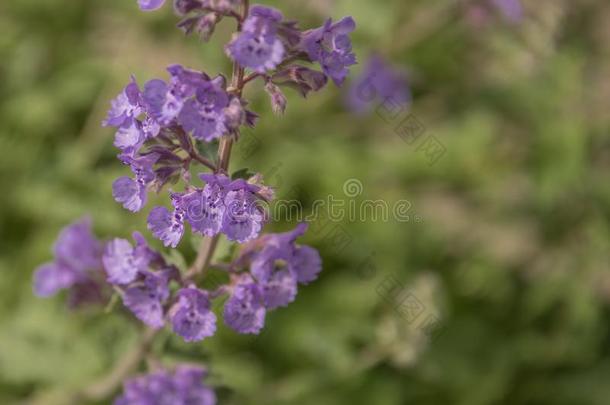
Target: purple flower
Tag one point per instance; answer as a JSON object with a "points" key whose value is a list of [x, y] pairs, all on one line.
{"points": [[130, 136], [162, 104], [379, 81], [259, 53], [128, 104], [149, 5], [276, 247], [281, 264], [280, 289], [258, 46], [245, 311], [78, 248], [52, 277], [145, 297], [243, 218], [77, 259], [124, 262], [191, 316], [204, 209], [306, 264], [331, 46], [167, 226], [165, 101], [203, 115], [131, 193], [183, 387]]}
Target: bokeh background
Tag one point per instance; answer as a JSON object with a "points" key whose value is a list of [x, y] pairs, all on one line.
{"points": [[507, 251]]}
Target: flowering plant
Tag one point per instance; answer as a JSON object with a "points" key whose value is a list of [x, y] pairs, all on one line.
{"points": [[160, 129]]}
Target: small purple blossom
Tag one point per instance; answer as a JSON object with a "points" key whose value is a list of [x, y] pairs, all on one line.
{"points": [[204, 114], [132, 193], [78, 257], [123, 262], [245, 311], [280, 264], [130, 136], [182, 387], [128, 104], [259, 46], [331, 46], [146, 295], [259, 53], [192, 317], [280, 289], [52, 277], [168, 226], [150, 5], [204, 209], [306, 264], [243, 218], [379, 81]]}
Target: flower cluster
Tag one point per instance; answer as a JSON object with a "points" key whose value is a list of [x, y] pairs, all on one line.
{"points": [[77, 266], [331, 46], [268, 44], [231, 207], [264, 277], [276, 266], [153, 127], [183, 386], [162, 128], [141, 275]]}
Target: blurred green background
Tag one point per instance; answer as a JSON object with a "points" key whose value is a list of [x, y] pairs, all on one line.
{"points": [[508, 248]]}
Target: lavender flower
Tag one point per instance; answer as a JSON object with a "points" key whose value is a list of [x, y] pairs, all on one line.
{"points": [[128, 104], [378, 81], [164, 101], [165, 226], [132, 193], [183, 387], [123, 262], [303, 261], [259, 46], [130, 136], [280, 264], [331, 46], [146, 295], [243, 216], [230, 207], [245, 311], [280, 289], [191, 316], [204, 209], [204, 115], [150, 5], [77, 260]]}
